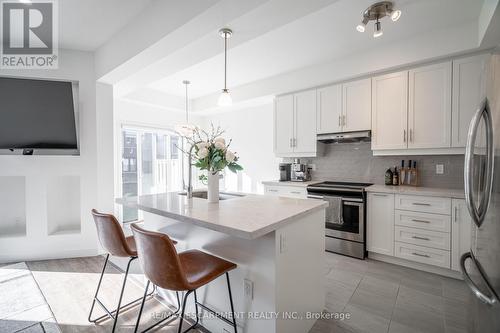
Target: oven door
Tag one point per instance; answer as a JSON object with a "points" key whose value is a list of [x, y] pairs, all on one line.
{"points": [[345, 221]]}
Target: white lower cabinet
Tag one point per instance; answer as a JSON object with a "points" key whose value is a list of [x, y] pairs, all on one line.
{"points": [[286, 191], [422, 254], [380, 224], [461, 230], [429, 230]]}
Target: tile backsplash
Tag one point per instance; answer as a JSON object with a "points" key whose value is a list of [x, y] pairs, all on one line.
{"points": [[355, 162]]}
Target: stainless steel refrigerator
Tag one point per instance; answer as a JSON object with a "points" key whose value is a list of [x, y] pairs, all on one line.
{"points": [[481, 266]]}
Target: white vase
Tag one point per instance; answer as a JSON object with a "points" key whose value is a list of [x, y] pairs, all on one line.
{"points": [[213, 187]]}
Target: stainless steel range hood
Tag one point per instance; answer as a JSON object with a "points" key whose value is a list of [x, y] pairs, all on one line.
{"points": [[359, 136]]}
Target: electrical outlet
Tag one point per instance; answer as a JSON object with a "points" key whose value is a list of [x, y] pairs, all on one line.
{"points": [[248, 288], [439, 169]]}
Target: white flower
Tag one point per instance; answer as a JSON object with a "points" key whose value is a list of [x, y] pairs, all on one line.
{"points": [[230, 156], [221, 140], [201, 145], [203, 152], [219, 145]]}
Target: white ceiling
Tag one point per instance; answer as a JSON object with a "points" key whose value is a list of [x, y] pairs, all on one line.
{"points": [[317, 37], [87, 24]]}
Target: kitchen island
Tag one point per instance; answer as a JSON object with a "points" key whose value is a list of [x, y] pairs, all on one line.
{"points": [[277, 243]]}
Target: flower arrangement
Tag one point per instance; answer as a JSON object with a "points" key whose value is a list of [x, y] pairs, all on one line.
{"points": [[211, 152]]}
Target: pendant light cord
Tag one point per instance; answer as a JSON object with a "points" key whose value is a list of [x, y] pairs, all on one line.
{"points": [[225, 61], [187, 114]]}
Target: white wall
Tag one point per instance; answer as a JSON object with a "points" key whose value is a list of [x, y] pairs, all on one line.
{"points": [[252, 132], [40, 170]]}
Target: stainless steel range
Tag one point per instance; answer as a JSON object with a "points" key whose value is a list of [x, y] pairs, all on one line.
{"points": [[345, 216]]}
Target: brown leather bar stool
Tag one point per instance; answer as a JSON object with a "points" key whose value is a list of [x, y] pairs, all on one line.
{"points": [[113, 240], [186, 271]]}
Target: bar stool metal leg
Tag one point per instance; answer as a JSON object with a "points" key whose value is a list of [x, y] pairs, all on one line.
{"points": [[231, 301], [161, 321], [113, 314]]}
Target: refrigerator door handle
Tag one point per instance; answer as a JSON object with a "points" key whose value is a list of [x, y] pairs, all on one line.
{"points": [[478, 213], [490, 300]]}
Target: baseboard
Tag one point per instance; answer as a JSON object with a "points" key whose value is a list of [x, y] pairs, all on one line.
{"points": [[44, 256], [416, 265]]}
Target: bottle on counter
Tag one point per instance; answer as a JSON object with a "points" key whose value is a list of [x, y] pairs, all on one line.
{"points": [[414, 174], [388, 177], [395, 176], [402, 173]]}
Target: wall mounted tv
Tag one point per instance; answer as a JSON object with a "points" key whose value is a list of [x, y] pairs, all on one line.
{"points": [[37, 116]]}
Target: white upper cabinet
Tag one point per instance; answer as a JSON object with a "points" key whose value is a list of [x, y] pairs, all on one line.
{"points": [[429, 110], [356, 105], [305, 122], [283, 124], [295, 125], [329, 116], [469, 82], [389, 111], [461, 230]]}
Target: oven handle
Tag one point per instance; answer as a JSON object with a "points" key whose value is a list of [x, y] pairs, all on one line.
{"points": [[310, 196], [347, 201]]}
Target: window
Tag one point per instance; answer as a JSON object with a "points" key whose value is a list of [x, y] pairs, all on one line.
{"points": [[151, 163]]}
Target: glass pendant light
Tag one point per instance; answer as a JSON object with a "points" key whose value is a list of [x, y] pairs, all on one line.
{"points": [[225, 98], [186, 129]]}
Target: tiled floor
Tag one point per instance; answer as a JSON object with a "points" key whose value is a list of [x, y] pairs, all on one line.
{"points": [[382, 297], [379, 297]]}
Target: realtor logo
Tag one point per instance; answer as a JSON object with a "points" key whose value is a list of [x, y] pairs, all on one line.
{"points": [[29, 34]]}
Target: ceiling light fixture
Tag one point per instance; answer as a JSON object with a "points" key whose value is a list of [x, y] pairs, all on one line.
{"points": [[186, 129], [225, 98], [376, 12]]}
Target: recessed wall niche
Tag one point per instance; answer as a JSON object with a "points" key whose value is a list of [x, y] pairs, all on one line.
{"points": [[12, 206], [63, 205]]}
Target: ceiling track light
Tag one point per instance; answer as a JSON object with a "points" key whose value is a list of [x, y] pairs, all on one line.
{"points": [[225, 98], [376, 12]]}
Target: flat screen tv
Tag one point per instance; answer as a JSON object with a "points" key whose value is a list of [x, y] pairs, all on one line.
{"points": [[37, 115]]}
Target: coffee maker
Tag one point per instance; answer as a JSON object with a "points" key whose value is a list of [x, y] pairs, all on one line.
{"points": [[300, 172], [285, 172]]}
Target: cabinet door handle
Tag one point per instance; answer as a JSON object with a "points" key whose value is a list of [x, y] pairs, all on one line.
{"points": [[404, 136], [294, 142], [420, 204], [340, 121], [344, 118], [411, 135], [420, 221], [456, 214], [421, 255], [421, 238], [291, 144]]}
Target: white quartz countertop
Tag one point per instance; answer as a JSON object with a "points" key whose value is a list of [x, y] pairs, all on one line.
{"points": [[250, 216], [289, 183], [412, 190]]}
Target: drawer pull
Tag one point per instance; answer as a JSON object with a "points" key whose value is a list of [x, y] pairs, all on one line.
{"points": [[296, 192], [379, 195], [420, 204], [272, 190], [422, 238], [421, 221], [421, 255]]}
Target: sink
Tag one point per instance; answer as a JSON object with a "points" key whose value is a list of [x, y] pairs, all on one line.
{"points": [[222, 195]]}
